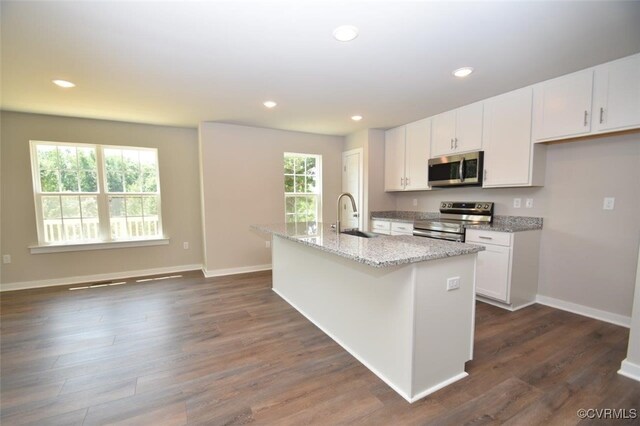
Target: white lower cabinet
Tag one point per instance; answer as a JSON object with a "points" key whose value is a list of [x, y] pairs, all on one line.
{"points": [[507, 270], [388, 227]]}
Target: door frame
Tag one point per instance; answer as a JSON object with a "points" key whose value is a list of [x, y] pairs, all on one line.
{"points": [[360, 200]]}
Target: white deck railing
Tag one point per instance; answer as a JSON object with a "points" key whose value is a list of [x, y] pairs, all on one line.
{"points": [[56, 231]]}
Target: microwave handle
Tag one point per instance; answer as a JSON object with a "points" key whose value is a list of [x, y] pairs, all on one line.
{"points": [[461, 170]]}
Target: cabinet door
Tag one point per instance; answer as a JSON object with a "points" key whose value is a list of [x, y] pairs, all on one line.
{"points": [[394, 148], [492, 272], [443, 132], [469, 128], [507, 138], [563, 106], [616, 103], [417, 155]]}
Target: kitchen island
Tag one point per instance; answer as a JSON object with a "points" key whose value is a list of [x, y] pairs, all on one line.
{"points": [[392, 302]]}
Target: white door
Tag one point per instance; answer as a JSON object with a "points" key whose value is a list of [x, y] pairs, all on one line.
{"points": [[417, 155], [616, 103], [507, 138], [352, 182], [443, 132], [469, 128], [394, 140], [563, 106], [492, 272]]}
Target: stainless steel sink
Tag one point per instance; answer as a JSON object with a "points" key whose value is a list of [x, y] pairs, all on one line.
{"points": [[360, 234]]}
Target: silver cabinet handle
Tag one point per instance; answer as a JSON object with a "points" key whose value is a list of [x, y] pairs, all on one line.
{"points": [[401, 181], [451, 143], [484, 238], [601, 115], [455, 143], [485, 174], [586, 114], [406, 181]]}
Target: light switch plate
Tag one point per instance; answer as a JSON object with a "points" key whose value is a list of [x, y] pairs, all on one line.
{"points": [[528, 203], [6, 258], [453, 283], [415, 202], [609, 203], [517, 203]]}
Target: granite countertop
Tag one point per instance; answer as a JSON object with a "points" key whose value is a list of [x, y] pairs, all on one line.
{"points": [[499, 224], [381, 251]]}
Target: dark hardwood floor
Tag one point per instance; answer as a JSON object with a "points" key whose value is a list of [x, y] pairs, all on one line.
{"points": [[229, 350]]}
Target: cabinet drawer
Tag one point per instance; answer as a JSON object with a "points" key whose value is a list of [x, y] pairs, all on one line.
{"points": [[402, 227], [488, 237], [381, 226]]}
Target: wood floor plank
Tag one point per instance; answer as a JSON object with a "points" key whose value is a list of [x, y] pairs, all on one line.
{"points": [[228, 350]]}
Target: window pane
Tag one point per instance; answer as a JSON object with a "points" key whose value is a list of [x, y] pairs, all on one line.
{"points": [[311, 184], [114, 181], [311, 165], [49, 181], [298, 165], [288, 165], [70, 206], [288, 184], [149, 179], [68, 157], [51, 208], [290, 205], [134, 206], [150, 206], [47, 157], [87, 159], [69, 180], [88, 181], [299, 184], [89, 206], [116, 207], [132, 180]]}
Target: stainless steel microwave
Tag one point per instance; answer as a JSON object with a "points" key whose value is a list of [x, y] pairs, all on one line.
{"points": [[456, 170]]}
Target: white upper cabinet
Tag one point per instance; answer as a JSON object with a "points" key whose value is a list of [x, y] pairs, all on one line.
{"points": [[457, 131], [394, 155], [616, 95], [406, 157], [562, 106], [417, 155], [510, 159]]}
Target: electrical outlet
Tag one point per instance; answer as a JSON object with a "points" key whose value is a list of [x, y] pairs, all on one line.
{"points": [[267, 244], [609, 203], [185, 245], [6, 258], [453, 283], [528, 203], [517, 203], [415, 202]]}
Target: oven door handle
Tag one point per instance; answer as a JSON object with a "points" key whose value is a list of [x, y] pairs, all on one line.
{"points": [[436, 235], [461, 171]]}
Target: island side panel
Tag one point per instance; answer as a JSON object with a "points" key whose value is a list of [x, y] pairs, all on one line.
{"points": [[444, 325], [367, 310]]}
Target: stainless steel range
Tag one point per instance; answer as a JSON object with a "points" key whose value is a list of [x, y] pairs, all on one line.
{"points": [[453, 218]]}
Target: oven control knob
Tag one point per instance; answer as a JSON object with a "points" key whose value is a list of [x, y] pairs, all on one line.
{"points": [[443, 205], [486, 206], [449, 205], [478, 206]]}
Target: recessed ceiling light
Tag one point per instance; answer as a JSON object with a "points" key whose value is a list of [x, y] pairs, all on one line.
{"points": [[463, 72], [63, 83], [356, 117], [269, 104], [345, 33]]}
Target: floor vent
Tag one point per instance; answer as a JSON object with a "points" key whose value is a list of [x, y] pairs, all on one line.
{"points": [[144, 280]]}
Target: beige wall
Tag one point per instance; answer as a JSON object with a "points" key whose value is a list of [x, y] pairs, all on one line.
{"points": [[588, 255], [243, 184], [178, 159]]}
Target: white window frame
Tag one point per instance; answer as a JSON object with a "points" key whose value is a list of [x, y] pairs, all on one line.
{"points": [[105, 240], [318, 177]]}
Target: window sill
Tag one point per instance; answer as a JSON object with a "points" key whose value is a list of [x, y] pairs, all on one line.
{"points": [[59, 248]]}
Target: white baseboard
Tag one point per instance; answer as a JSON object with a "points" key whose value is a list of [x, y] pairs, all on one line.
{"points": [[586, 311], [630, 370], [233, 271], [439, 386], [508, 307], [97, 277]]}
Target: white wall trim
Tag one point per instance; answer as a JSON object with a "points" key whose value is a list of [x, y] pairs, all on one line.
{"points": [[234, 271], [103, 245], [630, 370], [586, 311], [23, 285]]}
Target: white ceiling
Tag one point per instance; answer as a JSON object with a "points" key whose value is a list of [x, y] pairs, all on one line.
{"points": [[180, 63]]}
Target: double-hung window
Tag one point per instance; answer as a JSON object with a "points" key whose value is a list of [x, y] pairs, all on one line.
{"points": [[302, 187], [95, 193]]}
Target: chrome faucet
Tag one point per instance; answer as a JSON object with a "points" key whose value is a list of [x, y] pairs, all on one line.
{"points": [[353, 205]]}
